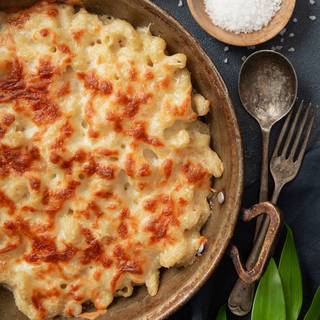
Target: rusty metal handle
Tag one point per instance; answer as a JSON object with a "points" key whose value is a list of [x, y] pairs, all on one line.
{"points": [[257, 262]]}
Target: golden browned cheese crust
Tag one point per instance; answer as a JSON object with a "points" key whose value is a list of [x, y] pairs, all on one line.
{"points": [[104, 168]]}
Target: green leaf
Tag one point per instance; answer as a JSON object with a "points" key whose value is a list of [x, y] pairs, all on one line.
{"points": [[222, 314], [290, 273], [269, 299], [314, 311]]}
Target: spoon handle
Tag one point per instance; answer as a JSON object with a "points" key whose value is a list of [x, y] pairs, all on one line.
{"points": [[241, 296], [264, 186], [264, 178]]}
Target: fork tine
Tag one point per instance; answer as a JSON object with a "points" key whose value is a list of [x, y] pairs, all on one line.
{"points": [[299, 133], [281, 136], [306, 139], [291, 131]]}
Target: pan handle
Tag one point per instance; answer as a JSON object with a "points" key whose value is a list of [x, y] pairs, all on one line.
{"points": [[254, 268]]}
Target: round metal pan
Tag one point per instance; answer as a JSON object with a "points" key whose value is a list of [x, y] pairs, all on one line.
{"points": [[177, 286]]}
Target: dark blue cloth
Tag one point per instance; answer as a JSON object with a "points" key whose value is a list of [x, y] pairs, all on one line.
{"points": [[300, 200]]}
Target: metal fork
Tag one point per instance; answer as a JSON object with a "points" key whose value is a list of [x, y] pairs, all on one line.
{"points": [[285, 164]]}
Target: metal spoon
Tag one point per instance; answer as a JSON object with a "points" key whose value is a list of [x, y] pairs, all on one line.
{"points": [[268, 89]]}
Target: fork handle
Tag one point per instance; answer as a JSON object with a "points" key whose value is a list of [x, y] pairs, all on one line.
{"points": [[241, 296]]}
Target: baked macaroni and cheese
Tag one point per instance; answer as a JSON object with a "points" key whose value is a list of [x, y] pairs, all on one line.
{"points": [[105, 168]]}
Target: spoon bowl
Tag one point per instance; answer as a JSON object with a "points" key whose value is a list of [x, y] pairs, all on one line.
{"points": [[267, 86], [278, 22]]}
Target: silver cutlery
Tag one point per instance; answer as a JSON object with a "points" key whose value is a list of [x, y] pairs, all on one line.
{"points": [[285, 164]]}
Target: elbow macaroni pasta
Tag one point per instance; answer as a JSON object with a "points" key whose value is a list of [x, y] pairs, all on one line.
{"points": [[105, 168]]}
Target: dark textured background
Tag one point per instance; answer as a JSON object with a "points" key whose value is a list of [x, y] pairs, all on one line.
{"points": [[300, 200]]}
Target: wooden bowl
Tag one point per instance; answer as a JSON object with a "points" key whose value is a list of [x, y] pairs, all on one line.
{"points": [[279, 21], [176, 286]]}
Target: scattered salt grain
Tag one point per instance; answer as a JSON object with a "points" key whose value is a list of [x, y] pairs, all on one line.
{"points": [[226, 60], [221, 197], [180, 4], [279, 48], [201, 249], [295, 20], [291, 35], [283, 31], [291, 49], [282, 40], [312, 2], [312, 18], [244, 58], [226, 49], [242, 16]]}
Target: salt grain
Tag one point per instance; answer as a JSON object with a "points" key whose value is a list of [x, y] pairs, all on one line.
{"points": [[282, 40], [244, 58], [312, 2], [312, 18], [242, 15], [226, 60], [295, 20], [221, 197], [283, 31], [279, 48], [201, 249], [180, 4], [291, 35], [226, 49], [291, 49]]}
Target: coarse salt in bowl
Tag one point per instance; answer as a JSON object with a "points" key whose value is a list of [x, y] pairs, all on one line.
{"points": [[242, 16]]}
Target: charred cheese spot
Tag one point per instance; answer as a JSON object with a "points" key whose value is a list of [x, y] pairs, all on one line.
{"points": [[16, 88], [44, 249], [125, 264], [38, 297], [194, 172], [159, 226], [64, 90], [64, 48], [7, 120], [130, 165], [131, 104], [165, 82], [35, 183], [138, 132], [105, 172], [149, 75], [77, 35], [94, 251], [19, 20], [6, 202], [53, 12], [150, 205], [44, 32], [92, 82], [167, 168], [116, 119], [18, 160], [145, 170]]}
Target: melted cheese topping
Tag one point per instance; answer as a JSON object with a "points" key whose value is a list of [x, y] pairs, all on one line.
{"points": [[104, 168]]}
